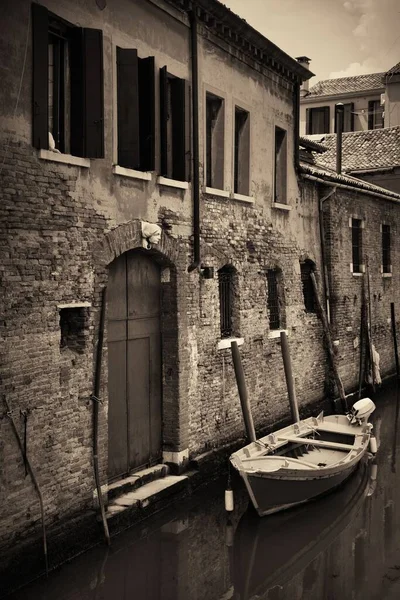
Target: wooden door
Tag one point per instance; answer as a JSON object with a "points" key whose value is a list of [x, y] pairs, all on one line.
{"points": [[134, 364]]}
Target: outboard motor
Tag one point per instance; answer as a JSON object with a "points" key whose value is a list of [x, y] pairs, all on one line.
{"points": [[361, 411]]}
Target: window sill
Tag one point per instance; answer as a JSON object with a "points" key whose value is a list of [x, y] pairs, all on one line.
{"points": [[75, 305], [358, 274], [276, 333], [385, 275], [281, 206], [216, 192], [182, 185], [66, 159], [132, 173], [243, 198], [226, 343]]}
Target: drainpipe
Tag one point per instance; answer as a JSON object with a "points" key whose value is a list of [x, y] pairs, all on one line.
{"points": [[323, 251], [195, 129], [296, 109]]}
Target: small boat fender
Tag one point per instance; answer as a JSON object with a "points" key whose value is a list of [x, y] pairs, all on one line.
{"points": [[373, 446]]}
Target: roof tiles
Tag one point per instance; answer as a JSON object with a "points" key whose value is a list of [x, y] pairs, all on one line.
{"points": [[363, 150], [343, 85]]}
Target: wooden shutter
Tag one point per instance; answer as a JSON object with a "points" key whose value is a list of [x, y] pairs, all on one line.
{"points": [[326, 119], [308, 121], [147, 113], [40, 96], [94, 93], [179, 108], [371, 106], [128, 108], [77, 141], [164, 120]]}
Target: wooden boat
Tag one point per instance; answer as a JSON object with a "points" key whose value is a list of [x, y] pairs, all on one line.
{"points": [[305, 459], [270, 552]]}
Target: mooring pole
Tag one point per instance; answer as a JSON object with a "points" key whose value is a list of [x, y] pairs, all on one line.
{"points": [[289, 378], [244, 399], [396, 353]]}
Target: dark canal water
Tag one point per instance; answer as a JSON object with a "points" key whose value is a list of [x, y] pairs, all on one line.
{"points": [[345, 546]]}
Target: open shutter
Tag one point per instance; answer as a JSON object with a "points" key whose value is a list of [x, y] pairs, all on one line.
{"points": [[128, 108], [371, 105], [77, 142], [94, 92], [147, 113], [326, 119], [40, 96], [308, 121], [164, 120], [178, 102]]}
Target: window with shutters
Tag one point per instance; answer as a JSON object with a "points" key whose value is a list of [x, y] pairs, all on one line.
{"points": [[357, 226], [386, 262], [174, 126], [228, 301], [280, 167], [67, 112], [375, 114], [275, 299], [242, 152], [306, 268], [317, 120], [136, 110], [348, 117], [215, 138]]}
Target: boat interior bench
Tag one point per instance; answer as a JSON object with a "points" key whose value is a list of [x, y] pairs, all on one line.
{"points": [[322, 443]]}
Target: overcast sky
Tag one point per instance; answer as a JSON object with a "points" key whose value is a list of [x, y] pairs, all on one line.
{"points": [[342, 37]]}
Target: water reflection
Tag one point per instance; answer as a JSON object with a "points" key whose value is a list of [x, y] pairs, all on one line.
{"points": [[343, 546]]}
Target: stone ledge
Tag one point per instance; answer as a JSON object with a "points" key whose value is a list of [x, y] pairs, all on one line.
{"points": [[132, 173], [280, 206], [182, 185], [66, 159]]}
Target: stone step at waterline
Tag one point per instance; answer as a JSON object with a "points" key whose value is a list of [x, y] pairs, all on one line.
{"points": [[145, 495], [136, 480]]}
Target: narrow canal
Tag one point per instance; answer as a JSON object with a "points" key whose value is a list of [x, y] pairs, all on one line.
{"points": [[344, 546]]}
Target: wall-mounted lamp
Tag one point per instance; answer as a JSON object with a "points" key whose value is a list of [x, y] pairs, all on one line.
{"points": [[207, 272]]}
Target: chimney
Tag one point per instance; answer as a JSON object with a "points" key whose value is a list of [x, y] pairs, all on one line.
{"points": [[339, 107], [304, 61]]}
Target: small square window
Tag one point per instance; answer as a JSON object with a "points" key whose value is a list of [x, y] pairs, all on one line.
{"points": [[73, 327]]}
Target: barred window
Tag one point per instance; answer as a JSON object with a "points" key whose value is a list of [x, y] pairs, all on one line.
{"points": [[226, 297], [356, 240], [306, 268], [274, 300], [386, 266]]}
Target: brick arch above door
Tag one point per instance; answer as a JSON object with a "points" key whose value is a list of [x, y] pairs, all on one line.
{"points": [[128, 236]]}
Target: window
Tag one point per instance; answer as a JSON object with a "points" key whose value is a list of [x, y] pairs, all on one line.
{"points": [[386, 265], [348, 117], [356, 240], [317, 120], [275, 299], [280, 168], [136, 111], [215, 115], [67, 86], [242, 152], [306, 268], [174, 125], [375, 114], [73, 326], [228, 301]]}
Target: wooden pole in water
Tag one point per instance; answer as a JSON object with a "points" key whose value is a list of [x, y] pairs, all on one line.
{"points": [[396, 353], [289, 377], [244, 399], [329, 344]]}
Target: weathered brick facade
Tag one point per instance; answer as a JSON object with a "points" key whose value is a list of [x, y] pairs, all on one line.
{"points": [[63, 223]]}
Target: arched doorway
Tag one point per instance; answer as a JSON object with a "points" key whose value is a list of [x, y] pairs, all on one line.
{"points": [[134, 363]]}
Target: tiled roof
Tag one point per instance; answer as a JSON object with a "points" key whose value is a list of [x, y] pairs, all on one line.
{"points": [[310, 144], [325, 175], [363, 150], [394, 70], [343, 85]]}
